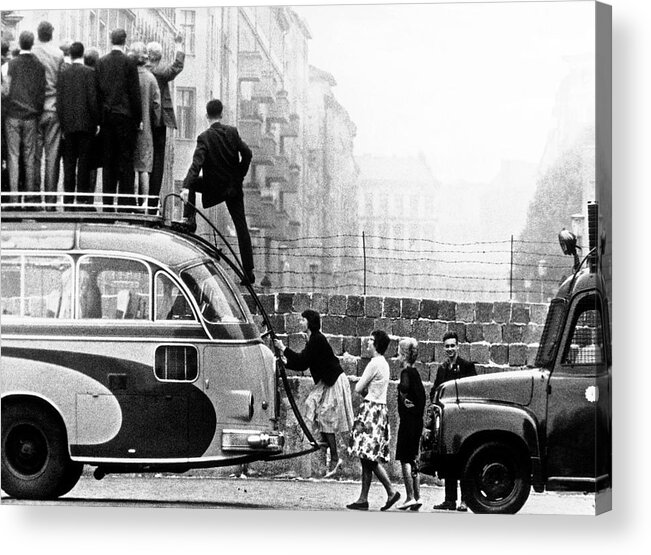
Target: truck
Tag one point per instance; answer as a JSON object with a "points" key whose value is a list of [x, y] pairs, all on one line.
{"points": [[547, 427]]}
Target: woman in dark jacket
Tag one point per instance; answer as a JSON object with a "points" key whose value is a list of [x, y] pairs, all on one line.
{"points": [[329, 408]]}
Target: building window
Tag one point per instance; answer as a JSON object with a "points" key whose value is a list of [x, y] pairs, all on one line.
{"points": [[187, 24], [185, 112]]}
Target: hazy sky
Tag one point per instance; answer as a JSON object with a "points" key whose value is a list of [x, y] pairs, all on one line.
{"points": [[466, 84]]}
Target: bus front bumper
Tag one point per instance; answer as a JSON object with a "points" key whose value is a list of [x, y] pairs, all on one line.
{"points": [[248, 441]]}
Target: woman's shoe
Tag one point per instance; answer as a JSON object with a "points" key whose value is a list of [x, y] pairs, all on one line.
{"points": [[335, 470], [391, 501], [417, 505], [407, 505]]}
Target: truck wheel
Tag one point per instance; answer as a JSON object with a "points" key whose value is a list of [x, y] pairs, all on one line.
{"points": [[496, 479], [35, 461]]}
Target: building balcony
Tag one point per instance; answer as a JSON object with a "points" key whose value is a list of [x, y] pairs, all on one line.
{"points": [[292, 127], [250, 66], [264, 91], [279, 110]]}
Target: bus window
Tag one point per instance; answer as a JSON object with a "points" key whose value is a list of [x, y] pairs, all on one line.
{"points": [[215, 299], [171, 302], [36, 286], [113, 288]]}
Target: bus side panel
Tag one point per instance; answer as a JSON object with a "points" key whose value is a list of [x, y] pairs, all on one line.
{"points": [[159, 420]]}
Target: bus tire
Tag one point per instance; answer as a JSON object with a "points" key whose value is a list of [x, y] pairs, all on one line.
{"points": [[35, 460], [496, 479]]}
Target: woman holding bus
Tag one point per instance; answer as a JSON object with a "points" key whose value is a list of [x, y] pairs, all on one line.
{"points": [[329, 407]]}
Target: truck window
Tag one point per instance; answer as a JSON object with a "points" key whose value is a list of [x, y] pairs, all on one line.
{"points": [[37, 286], [215, 299], [113, 289], [586, 345], [551, 334], [171, 302]]}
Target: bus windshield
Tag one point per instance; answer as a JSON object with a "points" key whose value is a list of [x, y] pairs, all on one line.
{"points": [[216, 301]]}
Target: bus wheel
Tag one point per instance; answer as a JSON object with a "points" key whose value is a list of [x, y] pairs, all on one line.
{"points": [[35, 461], [496, 479]]}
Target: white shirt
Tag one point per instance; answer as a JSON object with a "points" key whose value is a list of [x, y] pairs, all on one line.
{"points": [[376, 379]]}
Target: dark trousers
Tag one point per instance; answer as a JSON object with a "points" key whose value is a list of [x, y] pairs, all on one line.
{"points": [[119, 145], [235, 205], [451, 480], [159, 135], [77, 149]]}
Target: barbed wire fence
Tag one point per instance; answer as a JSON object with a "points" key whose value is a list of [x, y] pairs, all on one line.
{"points": [[363, 264]]}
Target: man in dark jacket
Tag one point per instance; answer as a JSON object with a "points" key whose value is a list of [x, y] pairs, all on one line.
{"points": [[453, 368], [25, 100], [78, 112], [224, 159], [119, 96], [164, 73]]}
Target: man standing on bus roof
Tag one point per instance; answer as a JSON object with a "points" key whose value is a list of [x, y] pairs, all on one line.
{"points": [[224, 159], [453, 368]]}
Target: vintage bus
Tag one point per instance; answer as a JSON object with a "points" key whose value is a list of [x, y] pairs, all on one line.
{"points": [[126, 346]]}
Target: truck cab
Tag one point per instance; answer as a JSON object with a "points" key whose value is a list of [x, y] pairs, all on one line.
{"points": [[548, 427]]}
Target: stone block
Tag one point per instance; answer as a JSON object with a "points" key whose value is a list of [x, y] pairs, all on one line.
{"points": [[364, 326], [499, 354], [284, 302], [519, 313], [320, 303], [532, 333], [337, 344], [438, 330], [349, 365], [394, 368], [538, 313], [429, 309], [383, 324], [460, 329], [353, 346], [349, 325], [337, 305], [355, 305], [402, 327], [268, 302], [466, 312], [474, 333], [517, 354], [302, 301], [278, 323], [331, 324], [492, 333], [410, 308], [362, 363], [296, 342], [250, 303], [420, 330], [513, 333], [532, 352], [425, 351], [373, 307], [293, 322], [464, 351], [502, 312], [439, 352], [479, 353], [447, 311], [483, 313], [391, 307]]}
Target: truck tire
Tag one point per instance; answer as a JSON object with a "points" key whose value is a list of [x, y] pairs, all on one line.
{"points": [[496, 479], [35, 460]]}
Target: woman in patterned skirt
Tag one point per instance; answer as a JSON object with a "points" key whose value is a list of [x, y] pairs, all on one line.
{"points": [[329, 408], [370, 437]]}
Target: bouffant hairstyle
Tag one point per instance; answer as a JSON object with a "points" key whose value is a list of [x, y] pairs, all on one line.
{"points": [[380, 340], [408, 348], [313, 319]]}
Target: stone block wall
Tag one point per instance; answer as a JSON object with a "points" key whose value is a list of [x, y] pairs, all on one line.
{"points": [[497, 337]]}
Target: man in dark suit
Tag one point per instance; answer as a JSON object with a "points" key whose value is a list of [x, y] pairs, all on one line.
{"points": [[224, 159], [164, 73], [119, 95], [453, 368], [78, 113]]}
